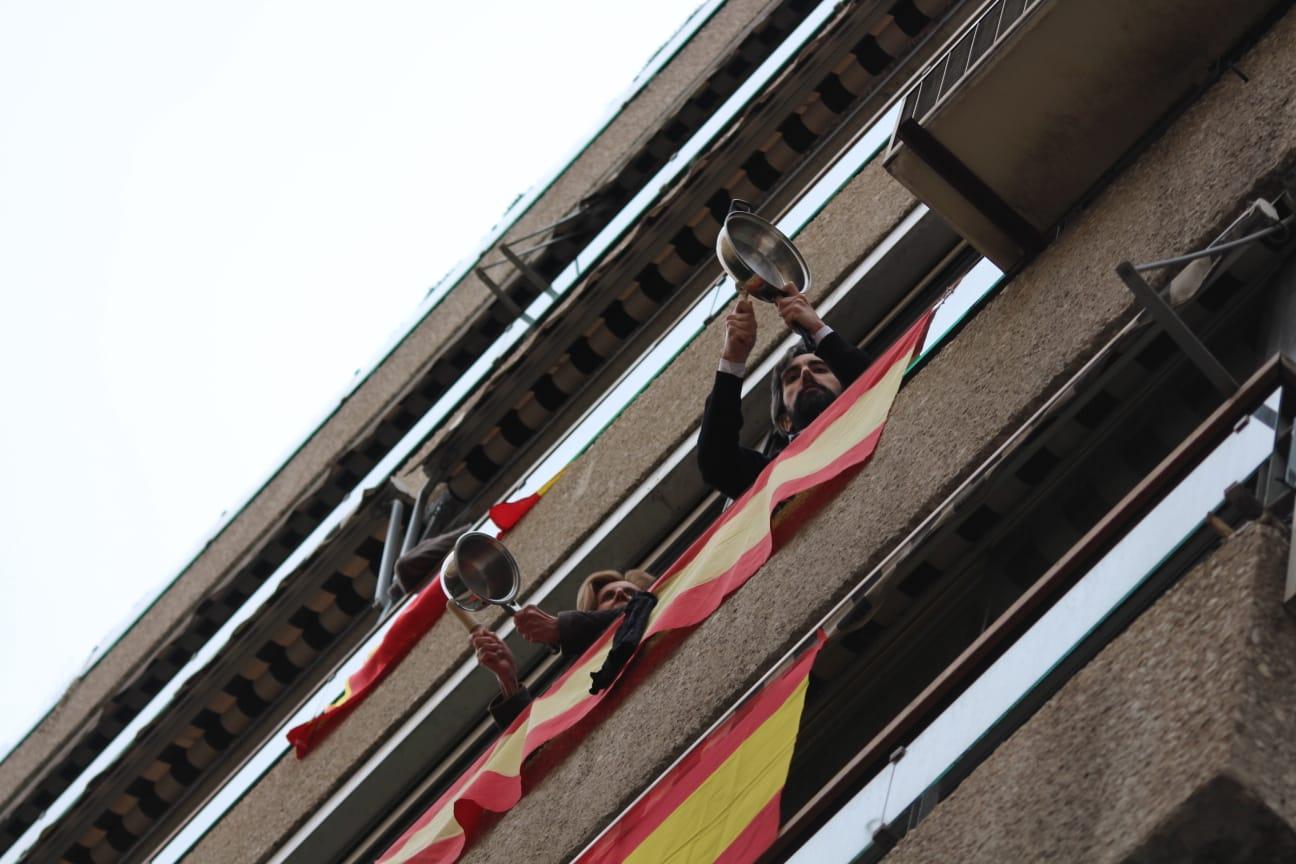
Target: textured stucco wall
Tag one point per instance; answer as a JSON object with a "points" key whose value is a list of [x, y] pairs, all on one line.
{"points": [[1176, 744], [1179, 193], [305, 470]]}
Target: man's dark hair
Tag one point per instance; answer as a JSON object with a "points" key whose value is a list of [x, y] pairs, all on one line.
{"points": [[416, 567], [777, 408]]}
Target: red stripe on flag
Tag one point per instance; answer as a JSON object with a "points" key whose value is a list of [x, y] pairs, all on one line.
{"points": [[756, 837], [648, 813], [704, 599], [509, 513], [413, 622]]}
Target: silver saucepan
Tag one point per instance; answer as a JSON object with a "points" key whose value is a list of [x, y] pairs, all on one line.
{"points": [[759, 257], [480, 572]]}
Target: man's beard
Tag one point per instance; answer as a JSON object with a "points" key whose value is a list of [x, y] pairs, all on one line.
{"points": [[808, 405]]}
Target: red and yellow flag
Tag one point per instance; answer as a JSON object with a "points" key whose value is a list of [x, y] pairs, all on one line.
{"points": [[716, 565], [507, 514], [721, 801], [415, 620]]}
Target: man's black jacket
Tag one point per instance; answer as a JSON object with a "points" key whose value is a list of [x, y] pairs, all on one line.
{"points": [[725, 463]]}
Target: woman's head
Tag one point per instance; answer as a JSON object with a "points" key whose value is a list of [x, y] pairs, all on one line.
{"points": [[607, 589]]}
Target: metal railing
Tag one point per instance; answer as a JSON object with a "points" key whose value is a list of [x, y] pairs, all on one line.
{"points": [[1011, 657]]}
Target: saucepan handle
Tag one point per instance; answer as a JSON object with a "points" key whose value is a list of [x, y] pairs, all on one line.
{"points": [[510, 609]]}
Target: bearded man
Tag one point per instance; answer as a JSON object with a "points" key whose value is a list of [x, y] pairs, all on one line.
{"points": [[805, 382]]}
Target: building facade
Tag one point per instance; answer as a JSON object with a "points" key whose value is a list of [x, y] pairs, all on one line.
{"points": [[1056, 599]]}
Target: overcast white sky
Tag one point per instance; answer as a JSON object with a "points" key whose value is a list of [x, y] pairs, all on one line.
{"points": [[211, 215]]}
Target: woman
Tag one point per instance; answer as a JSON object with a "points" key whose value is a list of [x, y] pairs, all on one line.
{"points": [[602, 599]]}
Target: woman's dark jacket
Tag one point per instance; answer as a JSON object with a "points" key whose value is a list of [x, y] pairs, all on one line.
{"points": [[577, 631]]}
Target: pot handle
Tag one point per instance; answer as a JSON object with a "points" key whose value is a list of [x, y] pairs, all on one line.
{"points": [[738, 205]]}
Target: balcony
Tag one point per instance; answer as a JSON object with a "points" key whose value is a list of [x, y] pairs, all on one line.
{"points": [[1033, 102]]}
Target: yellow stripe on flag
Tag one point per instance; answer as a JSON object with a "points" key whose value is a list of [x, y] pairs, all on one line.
{"points": [[728, 801], [505, 759], [750, 526], [572, 690]]}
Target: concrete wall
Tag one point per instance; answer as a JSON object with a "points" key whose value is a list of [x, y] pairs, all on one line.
{"points": [[636, 121], [1239, 137], [1176, 744]]}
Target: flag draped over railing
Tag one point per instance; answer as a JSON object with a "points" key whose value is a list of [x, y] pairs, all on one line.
{"points": [[410, 625], [718, 563], [721, 801]]}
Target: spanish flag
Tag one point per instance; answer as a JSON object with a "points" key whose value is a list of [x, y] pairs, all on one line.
{"points": [[510, 513], [721, 801], [415, 620], [718, 563]]}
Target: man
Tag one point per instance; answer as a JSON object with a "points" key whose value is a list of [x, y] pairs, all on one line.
{"points": [[805, 382]]}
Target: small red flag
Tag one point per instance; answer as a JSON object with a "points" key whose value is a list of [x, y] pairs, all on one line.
{"points": [[510, 513], [410, 625]]}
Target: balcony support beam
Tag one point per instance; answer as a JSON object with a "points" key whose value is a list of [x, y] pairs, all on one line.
{"points": [[972, 188]]}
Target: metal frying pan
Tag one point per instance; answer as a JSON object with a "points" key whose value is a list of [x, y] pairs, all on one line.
{"points": [[480, 572], [759, 257]]}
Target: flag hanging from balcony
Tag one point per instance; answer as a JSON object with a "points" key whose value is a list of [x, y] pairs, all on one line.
{"points": [[510, 513], [721, 801], [719, 562], [406, 630]]}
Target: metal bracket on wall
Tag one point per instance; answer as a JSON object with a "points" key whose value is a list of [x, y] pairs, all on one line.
{"points": [[508, 301], [541, 284], [528, 272], [382, 590], [1289, 592], [1187, 341]]}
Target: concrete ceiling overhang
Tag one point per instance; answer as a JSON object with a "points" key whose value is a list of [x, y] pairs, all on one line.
{"points": [[1033, 103], [226, 708]]}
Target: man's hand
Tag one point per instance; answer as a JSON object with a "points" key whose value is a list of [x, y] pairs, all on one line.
{"points": [[495, 656], [536, 625], [740, 331], [796, 311]]}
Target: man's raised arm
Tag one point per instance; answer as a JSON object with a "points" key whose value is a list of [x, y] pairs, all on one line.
{"points": [[845, 360], [727, 465]]}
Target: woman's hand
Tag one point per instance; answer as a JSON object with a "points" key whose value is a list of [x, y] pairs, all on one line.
{"points": [[536, 625], [495, 656]]}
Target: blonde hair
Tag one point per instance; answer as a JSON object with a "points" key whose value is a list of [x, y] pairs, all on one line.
{"points": [[587, 596]]}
